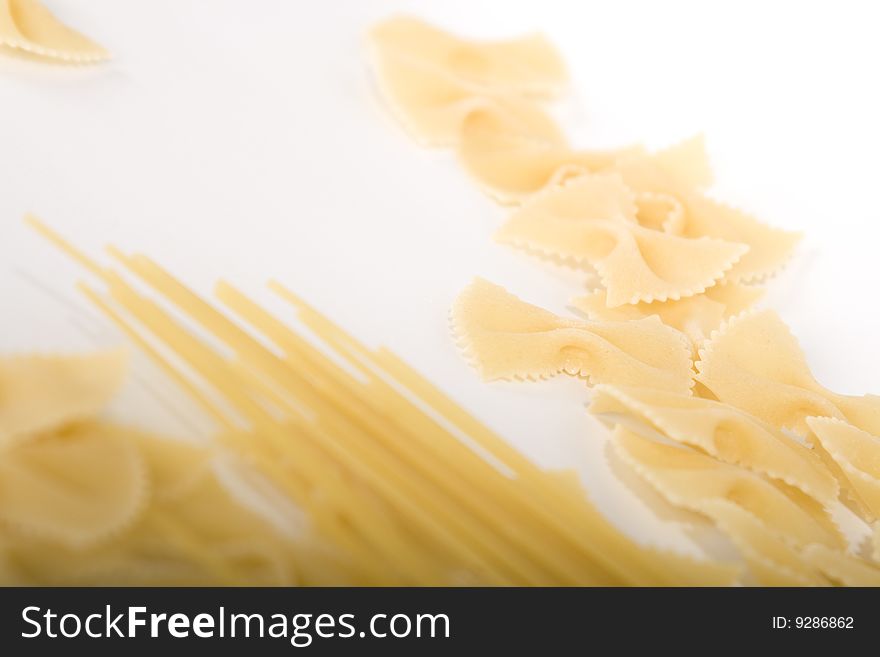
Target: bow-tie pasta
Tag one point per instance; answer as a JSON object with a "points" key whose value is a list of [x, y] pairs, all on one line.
{"points": [[38, 393], [74, 486], [591, 220], [695, 316], [854, 456], [772, 560], [689, 479], [696, 215], [841, 567], [28, 28], [527, 65], [512, 159], [754, 363], [433, 80], [721, 431], [771, 525], [509, 338]]}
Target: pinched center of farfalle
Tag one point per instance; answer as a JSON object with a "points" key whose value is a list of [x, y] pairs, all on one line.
{"points": [[593, 220], [508, 338]]}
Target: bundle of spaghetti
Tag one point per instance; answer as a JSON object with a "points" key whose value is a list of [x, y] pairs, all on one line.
{"points": [[733, 426], [408, 486]]}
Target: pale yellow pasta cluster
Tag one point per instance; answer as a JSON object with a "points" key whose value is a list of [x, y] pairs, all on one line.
{"points": [[712, 404]]}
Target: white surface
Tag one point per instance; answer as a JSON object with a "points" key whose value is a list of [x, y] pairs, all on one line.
{"points": [[244, 140]]}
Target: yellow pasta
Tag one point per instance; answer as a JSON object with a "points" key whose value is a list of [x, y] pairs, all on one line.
{"points": [[27, 27], [433, 80], [690, 479], [76, 486], [666, 254], [841, 567], [686, 162], [339, 464], [771, 560], [721, 431], [854, 456], [875, 554], [38, 393], [701, 216], [402, 482], [512, 159], [591, 220], [508, 338], [174, 466], [101, 504], [659, 211], [432, 105], [203, 537], [526, 65], [754, 363], [695, 316], [245, 548]]}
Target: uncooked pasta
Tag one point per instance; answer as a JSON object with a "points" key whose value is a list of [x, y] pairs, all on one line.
{"points": [[731, 425]]}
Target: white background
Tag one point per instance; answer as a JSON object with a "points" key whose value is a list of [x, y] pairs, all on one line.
{"points": [[244, 140]]}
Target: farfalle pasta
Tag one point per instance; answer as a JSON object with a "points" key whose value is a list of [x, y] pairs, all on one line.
{"points": [[86, 502], [700, 216], [721, 431], [591, 220], [686, 162], [433, 81], [75, 486], [690, 479], [512, 159], [875, 543], [38, 393], [695, 316], [199, 535], [433, 105], [854, 456], [526, 65], [785, 540], [754, 363], [771, 560], [665, 250], [846, 569], [511, 162], [27, 27], [508, 338]]}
